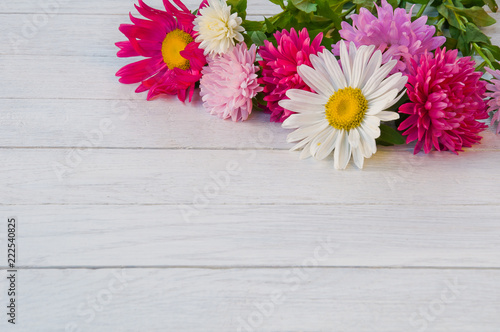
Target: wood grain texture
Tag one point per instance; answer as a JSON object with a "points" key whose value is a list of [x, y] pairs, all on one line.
{"points": [[269, 235], [110, 176], [255, 7], [132, 124], [100, 179], [220, 300], [138, 123]]}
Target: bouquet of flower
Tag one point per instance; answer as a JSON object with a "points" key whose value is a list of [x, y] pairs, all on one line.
{"points": [[333, 70]]}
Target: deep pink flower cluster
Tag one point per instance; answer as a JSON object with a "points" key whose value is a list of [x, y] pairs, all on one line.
{"points": [[279, 67], [446, 102]]}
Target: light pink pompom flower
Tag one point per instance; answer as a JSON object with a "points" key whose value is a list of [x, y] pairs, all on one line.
{"points": [[230, 82], [494, 94], [446, 102], [393, 33], [279, 67]]}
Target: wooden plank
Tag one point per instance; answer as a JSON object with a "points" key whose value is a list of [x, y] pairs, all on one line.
{"points": [[269, 235], [110, 176], [57, 77], [94, 7], [192, 300], [134, 123], [141, 124], [66, 35]]}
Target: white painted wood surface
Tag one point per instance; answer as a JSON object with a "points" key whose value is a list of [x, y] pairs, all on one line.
{"points": [[100, 180]]}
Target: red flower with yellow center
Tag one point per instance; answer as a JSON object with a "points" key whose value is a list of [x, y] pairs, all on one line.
{"points": [[166, 39]]}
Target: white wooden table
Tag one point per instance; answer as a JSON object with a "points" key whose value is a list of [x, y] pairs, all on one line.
{"points": [[129, 220]]}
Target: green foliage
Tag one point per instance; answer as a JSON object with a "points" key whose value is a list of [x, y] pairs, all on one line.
{"points": [[238, 6], [389, 136], [458, 20]]}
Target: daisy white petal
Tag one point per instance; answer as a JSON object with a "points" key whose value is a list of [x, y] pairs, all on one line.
{"points": [[374, 81], [321, 140], [316, 80], [305, 131], [343, 115], [342, 151], [300, 106], [327, 146], [346, 62], [309, 97], [388, 116], [333, 69]]}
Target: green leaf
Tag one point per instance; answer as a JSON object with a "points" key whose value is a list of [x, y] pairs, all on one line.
{"points": [[493, 49], [492, 4], [324, 9], [258, 38], [472, 3], [304, 5], [473, 34], [238, 6], [390, 136], [268, 26], [279, 3], [369, 4], [252, 25], [451, 16], [393, 3], [475, 14]]}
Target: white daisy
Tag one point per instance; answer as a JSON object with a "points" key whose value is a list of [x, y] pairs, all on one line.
{"points": [[345, 112], [217, 28]]}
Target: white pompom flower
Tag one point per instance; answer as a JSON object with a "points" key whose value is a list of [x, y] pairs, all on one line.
{"points": [[343, 115], [218, 29]]}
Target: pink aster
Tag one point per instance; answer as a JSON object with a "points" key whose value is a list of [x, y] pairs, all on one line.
{"points": [[166, 39], [279, 67], [446, 102], [393, 33], [494, 94], [229, 83]]}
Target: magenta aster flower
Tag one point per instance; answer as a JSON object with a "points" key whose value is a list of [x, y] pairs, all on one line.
{"points": [[494, 94], [446, 100], [393, 33], [279, 67], [230, 82], [173, 60]]}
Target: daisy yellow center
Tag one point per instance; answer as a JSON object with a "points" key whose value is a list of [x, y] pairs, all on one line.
{"points": [[346, 108], [174, 43]]}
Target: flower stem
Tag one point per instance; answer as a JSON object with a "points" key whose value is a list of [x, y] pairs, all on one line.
{"points": [[478, 50], [350, 10], [422, 9]]}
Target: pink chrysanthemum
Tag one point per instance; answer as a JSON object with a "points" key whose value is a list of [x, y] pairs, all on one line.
{"points": [[446, 100], [166, 39], [279, 67], [230, 82], [494, 94], [393, 33]]}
